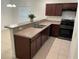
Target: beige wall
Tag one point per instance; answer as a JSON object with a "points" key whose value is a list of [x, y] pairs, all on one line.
{"points": [[6, 14], [15, 11], [11, 15], [74, 43]]}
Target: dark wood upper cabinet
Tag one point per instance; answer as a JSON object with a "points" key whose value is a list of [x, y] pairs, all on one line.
{"points": [[56, 9], [48, 9], [53, 9], [70, 6]]}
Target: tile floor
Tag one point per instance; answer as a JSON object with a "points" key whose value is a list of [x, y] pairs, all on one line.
{"points": [[54, 48], [59, 49]]}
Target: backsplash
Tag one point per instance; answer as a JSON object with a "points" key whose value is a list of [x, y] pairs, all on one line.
{"points": [[68, 15], [54, 18], [65, 15]]}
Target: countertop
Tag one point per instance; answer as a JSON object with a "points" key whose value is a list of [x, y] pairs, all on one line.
{"points": [[30, 32]]}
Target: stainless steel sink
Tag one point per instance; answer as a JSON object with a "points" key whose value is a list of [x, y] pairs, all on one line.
{"points": [[36, 25]]}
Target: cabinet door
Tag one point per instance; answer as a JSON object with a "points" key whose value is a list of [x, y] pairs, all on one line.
{"points": [[49, 10], [39, 43], [35, 44], [58, 10], [47, 32], [33, 48], [22, 47], [53, 9], [45, 35], [43, 38], [70, 6], [55, 30]]}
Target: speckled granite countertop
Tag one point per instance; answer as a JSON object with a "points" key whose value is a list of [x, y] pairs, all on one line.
{"points": [[30, 32]]}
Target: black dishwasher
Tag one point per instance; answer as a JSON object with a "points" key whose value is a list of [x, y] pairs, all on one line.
{"points": [[66, 28]]}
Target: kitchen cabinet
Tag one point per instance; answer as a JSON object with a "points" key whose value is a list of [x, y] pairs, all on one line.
{"points": [[72, 6], [53, 9], [26, 48], [55, 30], [45, 35], [33, 48], [39, 43], [35, 44], [50, 9], [22, 47], [56, 9]]}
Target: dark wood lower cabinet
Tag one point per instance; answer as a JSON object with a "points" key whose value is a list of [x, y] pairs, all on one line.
{"points": [[35, 45], [39, 43], [45, 35], [55, 30], [22, 47], [33, 48], [26, 48]]}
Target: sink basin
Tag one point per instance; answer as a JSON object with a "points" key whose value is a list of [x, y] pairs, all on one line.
{"points": [[38, 26]]}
